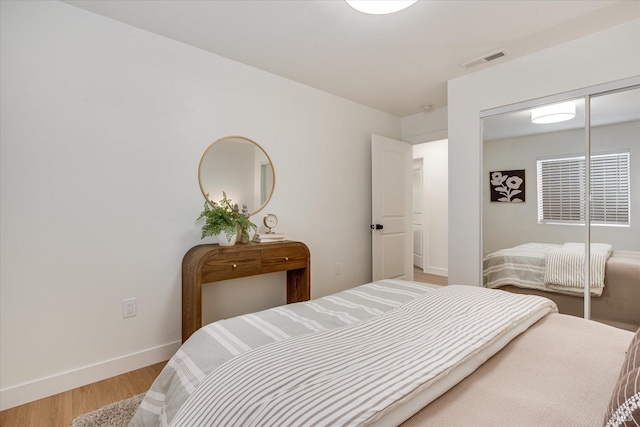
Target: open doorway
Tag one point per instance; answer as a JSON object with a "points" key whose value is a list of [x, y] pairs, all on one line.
{"points": [[430, 212]]}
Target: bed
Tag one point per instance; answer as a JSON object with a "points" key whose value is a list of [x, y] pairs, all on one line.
{"points": [[393, 353], [522, 269]]}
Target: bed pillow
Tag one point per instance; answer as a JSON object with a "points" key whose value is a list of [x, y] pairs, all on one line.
{"points": [[624, 408]]}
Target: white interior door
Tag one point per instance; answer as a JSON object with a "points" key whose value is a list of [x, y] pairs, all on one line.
{"points": [[392, 205]]}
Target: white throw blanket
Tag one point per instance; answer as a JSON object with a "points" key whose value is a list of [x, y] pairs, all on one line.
{"points": [[565, 265], [351, 375]]}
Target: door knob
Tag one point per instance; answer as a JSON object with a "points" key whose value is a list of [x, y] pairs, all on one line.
{"points": [[376, 226]]}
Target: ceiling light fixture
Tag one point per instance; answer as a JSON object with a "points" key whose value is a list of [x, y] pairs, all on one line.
{"points": [[380, 7], [554, 113]]}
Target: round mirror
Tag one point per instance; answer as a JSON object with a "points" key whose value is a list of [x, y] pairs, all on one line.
{"points": [[240, 168]]}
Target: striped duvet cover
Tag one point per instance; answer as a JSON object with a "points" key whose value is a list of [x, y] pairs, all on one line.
{"points": [[546, 267], [521, 266], [387, 339]]}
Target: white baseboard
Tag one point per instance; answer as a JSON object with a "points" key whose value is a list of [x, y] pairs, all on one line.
{"points": [[54, 384], [437, 271]]}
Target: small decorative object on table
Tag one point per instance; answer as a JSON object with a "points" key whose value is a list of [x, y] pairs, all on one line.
{"points": [[269, 221], [268, 237], [224, 220]]}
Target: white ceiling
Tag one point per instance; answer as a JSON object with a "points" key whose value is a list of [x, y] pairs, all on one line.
{"points": [[394, 63]]}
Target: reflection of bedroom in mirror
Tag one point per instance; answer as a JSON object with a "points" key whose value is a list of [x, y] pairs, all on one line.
{"points": [[538, 246], [266, 181], [239, 167]]}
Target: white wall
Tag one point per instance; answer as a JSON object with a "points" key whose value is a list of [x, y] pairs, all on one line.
{"points": [[103, 126], [602, 57], [435, 202], [509, 224], [425, 126]]}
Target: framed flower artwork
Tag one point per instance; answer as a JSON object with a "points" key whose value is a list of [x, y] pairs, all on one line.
{"points": [[507, 186]]}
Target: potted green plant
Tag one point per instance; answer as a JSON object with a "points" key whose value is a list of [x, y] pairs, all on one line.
{"points": [[223, 220]]}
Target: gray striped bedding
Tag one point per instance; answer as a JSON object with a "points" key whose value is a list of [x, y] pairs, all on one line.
{"points": [[202, 377], [218, 342], [527, 266], [521, 266], [565, 265]]}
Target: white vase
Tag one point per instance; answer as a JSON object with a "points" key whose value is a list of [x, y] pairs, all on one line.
{"points": [[223, 240]]}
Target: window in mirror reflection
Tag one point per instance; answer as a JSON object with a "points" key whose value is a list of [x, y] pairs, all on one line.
{"points": [[562, 190]]}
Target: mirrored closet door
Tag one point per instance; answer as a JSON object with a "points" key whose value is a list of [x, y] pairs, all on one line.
{"points": [[538, 188], [614, 206]]}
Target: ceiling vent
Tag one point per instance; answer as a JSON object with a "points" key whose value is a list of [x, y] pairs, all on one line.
{"points": [[485, 58]]}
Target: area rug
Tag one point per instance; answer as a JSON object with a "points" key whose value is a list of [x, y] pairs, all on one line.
{"points": [[115, 415]]}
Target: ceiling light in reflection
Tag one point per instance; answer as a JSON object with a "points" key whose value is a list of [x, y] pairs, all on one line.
{"points": [[554, 113]]}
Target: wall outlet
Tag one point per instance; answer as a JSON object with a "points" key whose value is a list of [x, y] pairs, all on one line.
{"points": [[337, 269], [129, 308]]}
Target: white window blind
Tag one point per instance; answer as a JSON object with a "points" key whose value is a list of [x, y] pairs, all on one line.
{"points": [[562, 192], [610, 195]]}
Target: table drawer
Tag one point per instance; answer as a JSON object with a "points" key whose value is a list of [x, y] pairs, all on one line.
{"points": [[231, 265], [287, 258]]}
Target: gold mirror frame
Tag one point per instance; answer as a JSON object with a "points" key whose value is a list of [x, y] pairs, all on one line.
{"points": [[202, 167]]}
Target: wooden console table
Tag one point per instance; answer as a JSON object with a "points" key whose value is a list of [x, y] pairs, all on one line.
{"points": [[212, 263]]}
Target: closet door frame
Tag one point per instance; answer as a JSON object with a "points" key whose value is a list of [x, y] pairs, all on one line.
{"points": [[586, 94]]}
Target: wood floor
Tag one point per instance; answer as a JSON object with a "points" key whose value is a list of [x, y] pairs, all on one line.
{"points": [[420, 276], [61, 409]]}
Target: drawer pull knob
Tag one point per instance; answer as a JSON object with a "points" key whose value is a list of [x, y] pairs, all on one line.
{"points": [[234, 266], [286, 258]]}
